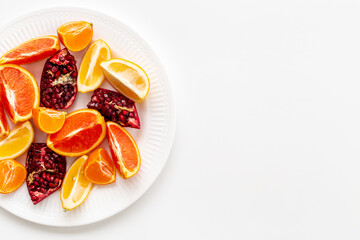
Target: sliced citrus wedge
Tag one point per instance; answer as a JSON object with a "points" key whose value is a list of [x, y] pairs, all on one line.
{"points": [[4, 127], [75, 187], [127, 77], [76, 35], [12, 175], [99, 168], [32, 50], [48, 120], [19, 92], [82, 131], [17, 142], [90, 73], [124, 150]]}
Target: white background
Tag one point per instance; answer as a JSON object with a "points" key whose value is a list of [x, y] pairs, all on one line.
{"points": [[268, 121]]}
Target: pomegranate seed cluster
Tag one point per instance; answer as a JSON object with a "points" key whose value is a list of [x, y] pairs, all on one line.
{"points": [[58, 85]]}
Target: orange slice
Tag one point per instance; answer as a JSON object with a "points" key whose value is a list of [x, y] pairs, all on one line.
{"points": [[75, 187], [76, 36], [32, 50], [127, 77], [12, 175], [17, 142], [4, 127], [90, 73], [48, 120], [99, 167], [124, 150], [82, 131], [19, 92]]}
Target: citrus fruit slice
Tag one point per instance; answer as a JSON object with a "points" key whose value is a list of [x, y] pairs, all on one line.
{"points": [[124, 150], [4, 127], [48, 120], [127, 77], [90, 73], [19, 92], [17, 142], [75, 187], [82, 131], [12, 175], [99, 167], [75, 35], [32, 50]]}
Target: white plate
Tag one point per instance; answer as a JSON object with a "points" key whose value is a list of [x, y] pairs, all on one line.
{"points": [[157, 117]]}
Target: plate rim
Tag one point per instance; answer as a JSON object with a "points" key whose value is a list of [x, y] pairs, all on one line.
{"points": [[172, 115]]}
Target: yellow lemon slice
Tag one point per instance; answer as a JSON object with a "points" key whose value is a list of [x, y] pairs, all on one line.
{"points": [[17, 142], [90, 73], [75, 187], [127, 77]]}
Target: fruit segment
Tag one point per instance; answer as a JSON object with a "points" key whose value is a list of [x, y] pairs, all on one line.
{"points": [[124, 150], [12, 175], [127, 77], [76, 187], [48, 120], [45, 171], [76, 35], [4, 127], [99, 168], [17, 142], [58, 81], [19, 92], [90, 73], [32, 50], [115, 107], [82, 131]]}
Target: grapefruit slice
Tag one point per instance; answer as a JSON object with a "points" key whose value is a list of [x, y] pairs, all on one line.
{"points": [[32, 50], [19, 92], [124, 150], [82, 131]]}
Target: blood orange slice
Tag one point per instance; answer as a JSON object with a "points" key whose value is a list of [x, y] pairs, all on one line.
{"points": [[33, 50], [4, 127], [19, 92], [82, 131], [124, 150]]}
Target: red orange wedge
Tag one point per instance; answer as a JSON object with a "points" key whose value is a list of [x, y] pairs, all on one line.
{"points": [[76, 35], [12, 175], [19, 92], [99, 168], [32, 50], [82, 131], [48, 120], [124, 150]]}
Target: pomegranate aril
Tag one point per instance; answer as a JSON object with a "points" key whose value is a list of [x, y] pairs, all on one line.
{"points": [[115, 107]]}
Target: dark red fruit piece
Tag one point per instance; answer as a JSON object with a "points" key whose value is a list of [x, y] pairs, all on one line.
{"points": [[115, 107], [58, 86], [45, 171]]}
